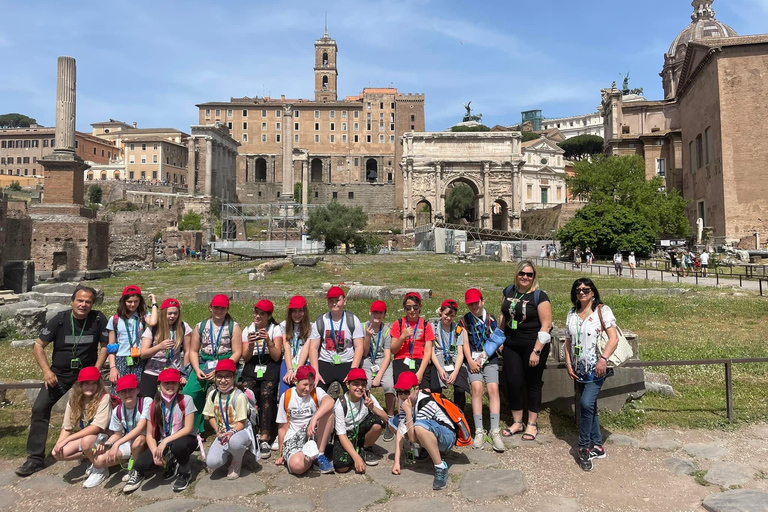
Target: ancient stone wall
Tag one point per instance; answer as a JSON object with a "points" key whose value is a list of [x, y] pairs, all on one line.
{"points": [[543, 221], [18, 237], [131, 252]]}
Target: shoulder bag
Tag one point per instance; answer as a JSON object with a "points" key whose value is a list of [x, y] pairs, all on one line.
{"points": [[623, 350]]}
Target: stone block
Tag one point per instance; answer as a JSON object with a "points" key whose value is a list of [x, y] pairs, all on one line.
{"points": [[53, 309], [747, 500], [399, 293], [369, 292], [31, 394], [29, 321], [19, 275], [626, 383], [306, 261]]}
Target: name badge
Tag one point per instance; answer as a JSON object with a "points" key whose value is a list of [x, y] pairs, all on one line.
{"points": [[129, 361], [375, 369], [449, 368], [260, 369], [476, 355], [210, 365], [411, 364], [135, 352], [336, 359], [512, 324], [75, 364]]}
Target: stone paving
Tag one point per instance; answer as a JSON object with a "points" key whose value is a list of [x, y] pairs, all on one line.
{"points": [[657, 470]]}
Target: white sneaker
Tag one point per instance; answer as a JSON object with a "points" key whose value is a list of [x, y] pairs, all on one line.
{"points": [[88, 470], [96, 478], [126, 477], [498, 442], [276, 445], [479, 439]]}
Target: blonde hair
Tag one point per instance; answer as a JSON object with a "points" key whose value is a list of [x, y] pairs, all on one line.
{"points": [[534, 282], [79, 402], [164, 330]]}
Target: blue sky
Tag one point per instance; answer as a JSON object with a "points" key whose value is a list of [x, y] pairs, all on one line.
{"points": [[151, 62]]}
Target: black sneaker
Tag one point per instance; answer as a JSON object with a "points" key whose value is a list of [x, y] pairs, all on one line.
{"points": [[370, 458], [29, 467], [265, 449], [134, 481], [335, 390], [171, 469], [441, 479], [584, 461], [597, 452], [182, 482]]}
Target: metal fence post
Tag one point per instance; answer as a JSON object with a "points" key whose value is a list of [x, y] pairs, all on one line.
{"points": [[729, 391]]}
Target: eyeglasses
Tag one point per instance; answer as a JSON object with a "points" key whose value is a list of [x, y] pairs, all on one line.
{"points": [[526, 274], [583, 291], [403, 391], [224, 377], [412, 308]]}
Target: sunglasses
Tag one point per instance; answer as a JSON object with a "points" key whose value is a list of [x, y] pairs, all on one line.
{"points": [[583, 291], [403, 391], [412, 308], [526, 274]]}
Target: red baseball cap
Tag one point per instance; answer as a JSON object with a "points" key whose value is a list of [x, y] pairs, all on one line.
{"points": [[220, 301], [406, 380], [472, 295], [169, 375], [131, 289], [170, 303], [334, 292], [356, 374], [226, 365], [304, 372], [450, 303], [129, 381], [89, 374], [297, 302], [412, 295], [379, 305], [265, 305]]}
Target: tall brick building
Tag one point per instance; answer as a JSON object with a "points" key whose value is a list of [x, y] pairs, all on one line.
{"points": [[706, 138], [350, 149]]}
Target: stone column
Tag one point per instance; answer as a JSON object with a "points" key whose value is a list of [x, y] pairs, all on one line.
{"points": [[304, 190], [286, 194], [208, 166], [436, 210], [405, 197], [65, 104], [485, 218], [516, 195]]}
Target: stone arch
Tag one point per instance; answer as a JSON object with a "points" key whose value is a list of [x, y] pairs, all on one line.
{"points": [[260, 170], [316, 171], [423, 212], [116, 175], [371, 170], [473, 215], [500, 215]]}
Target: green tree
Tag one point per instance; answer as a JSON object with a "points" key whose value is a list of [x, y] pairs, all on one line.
{"points": [[476, 128], [582, 147], [370, 243], [336, 224], [15, 186], [16, 120], [191, 222], [297, 193], [530, 136], [95, 194], [460, 199], [626, 210]]}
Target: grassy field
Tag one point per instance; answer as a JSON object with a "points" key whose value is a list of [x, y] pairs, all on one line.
{"points": [[707, 324]]}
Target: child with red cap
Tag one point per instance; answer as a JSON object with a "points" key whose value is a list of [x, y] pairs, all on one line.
{"points": [[412, 340], [422, 421], [128, 427], [165, 346], [226, 409], [448, 356], [171, 434], [296, 330], [125, 330], [378, 357], [359, 420], [86, 416], [263, 355], [218, 337], [304, 413], [336, 343]]}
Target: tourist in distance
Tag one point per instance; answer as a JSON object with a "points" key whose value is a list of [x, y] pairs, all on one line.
{"points": [[577, 257], [586, 365], [704, 262], [589, 255], [477, 326], [171, 433], [263, 356], [359, 420], [218, 337], [304, 413], [377, 361], [128, 425], [227, 410], [526, 314], [336, 344], [617, 263], [543, 252], [632, 264], [296, 330], [422, 421], [125, 329], [86, 416], [448, 356], [412, 340], [77, 335], [165, 346]]}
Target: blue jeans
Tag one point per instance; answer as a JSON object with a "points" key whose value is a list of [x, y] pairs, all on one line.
{"points": [[589, 426], [446, 438]]}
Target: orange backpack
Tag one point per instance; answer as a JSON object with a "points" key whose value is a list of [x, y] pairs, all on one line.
{"points": [[456, 415]]}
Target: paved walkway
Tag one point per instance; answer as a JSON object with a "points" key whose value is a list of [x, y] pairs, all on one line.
{"points": [[657, 470]]}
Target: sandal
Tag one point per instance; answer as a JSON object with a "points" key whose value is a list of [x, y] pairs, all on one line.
{"points": [[507, 432], [531, 437]]}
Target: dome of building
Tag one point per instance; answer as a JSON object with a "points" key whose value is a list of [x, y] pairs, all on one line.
{"points": [[703, 26]]}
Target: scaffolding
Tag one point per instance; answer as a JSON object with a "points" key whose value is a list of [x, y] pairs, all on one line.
{"points": [[284, 221]]}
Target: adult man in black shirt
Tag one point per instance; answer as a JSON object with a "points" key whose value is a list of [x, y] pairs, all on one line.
{"points": [[76, 336]]}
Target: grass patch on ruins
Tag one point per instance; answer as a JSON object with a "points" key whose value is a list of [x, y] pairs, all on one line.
{"points": [[705, 324]]}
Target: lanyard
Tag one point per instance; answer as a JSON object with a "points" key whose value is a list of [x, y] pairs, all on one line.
{"points": [[479, 337], [77, 338], [334, 336], [133, 420], [215, 345], [224, 411], [375, 353], [295, 343], [413, 336], [127, 324], [263, 349], [169, 352], [355, 423], [446, 355], [168, 424]]}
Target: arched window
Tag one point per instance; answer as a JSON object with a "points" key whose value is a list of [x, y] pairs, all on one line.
{"points": [[325, 82], [316, 171], [371, 170], [116, 175], [325, 58], [90, 176], [103, 175], [261, 170]]}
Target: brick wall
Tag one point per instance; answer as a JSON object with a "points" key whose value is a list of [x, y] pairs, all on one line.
{"points": [[18, 237]]}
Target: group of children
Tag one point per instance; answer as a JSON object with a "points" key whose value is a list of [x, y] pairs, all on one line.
{"points": [[300, 388]]}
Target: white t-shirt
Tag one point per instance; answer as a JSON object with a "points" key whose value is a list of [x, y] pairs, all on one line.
{"points": [[261, 348], [337, 336], [617, 258], [631, 259], [296, 342], [300, 410], [178, 418], [704, 258], [356, 413], [129, 423]]}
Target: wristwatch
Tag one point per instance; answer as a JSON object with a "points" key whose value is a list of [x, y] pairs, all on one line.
{"points": [[603, 357], [537, 352]]}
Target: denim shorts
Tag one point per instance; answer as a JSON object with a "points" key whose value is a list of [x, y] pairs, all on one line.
{"points": [[446, 437]]}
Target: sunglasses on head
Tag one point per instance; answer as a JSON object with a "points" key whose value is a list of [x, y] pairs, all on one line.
{"points": [[525, 274], [584, 291], [412, 308]]}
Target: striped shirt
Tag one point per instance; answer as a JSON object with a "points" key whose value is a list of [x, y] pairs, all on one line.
{"points": [[427, 409]]}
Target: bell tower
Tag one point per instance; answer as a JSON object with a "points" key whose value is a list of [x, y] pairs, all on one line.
{"points": [[326, 75]]}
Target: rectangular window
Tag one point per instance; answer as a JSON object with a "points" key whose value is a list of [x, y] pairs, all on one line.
{"points": [[167, 160], [296, 126], [317, 114], [708, 141], [335, 195], [317, 138], [155, 146], [333, 114], [218, 112], [263, 137], [357, 114], [368, 126], [154, 175], [245, 125], [296, 137], [357, 138], [278, 113], [368, 138], [296, 114], [229, 125], [368, 116], [343, 114], [263, 126], [25, 160], [381, 127], [45, 143], [369, 105], [333, 127], [391, 138], [245, 137], [230, 113], [530, 191], [154, 159], [691, 157], [381, 139], [381, 104], [661, 167], [343, 127], [357, 127], [392, 105], [277, 138], [207, 113], [263, 113], [351, 195], [132, 159], [317, 127], [278, 127], [413, 118], [35, 143], [381, 116], [130, 175], [143, 147], [357, 161], [699, 151]]}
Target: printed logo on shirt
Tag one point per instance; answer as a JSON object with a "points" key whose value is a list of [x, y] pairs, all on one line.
{"points": [[45, 331], [340, 342]]}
